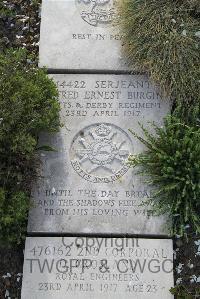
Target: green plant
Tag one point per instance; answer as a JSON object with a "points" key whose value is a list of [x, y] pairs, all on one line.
{"points": [[13, 214], [28, 100], [162, 37], [172, 166], [181, 292], [194, 5], [5, 10]]}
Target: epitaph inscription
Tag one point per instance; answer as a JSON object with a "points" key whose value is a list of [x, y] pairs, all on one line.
{"points": [[86, 185], [100, 268]]}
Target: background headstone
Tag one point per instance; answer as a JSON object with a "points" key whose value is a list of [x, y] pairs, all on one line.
{"points": [[100, 268], [79, 35], [86, 185]]}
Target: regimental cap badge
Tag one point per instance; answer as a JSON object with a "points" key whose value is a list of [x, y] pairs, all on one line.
{"points": [[103, 130]]}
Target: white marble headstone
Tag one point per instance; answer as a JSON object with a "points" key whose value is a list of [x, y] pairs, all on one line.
{"points": [[86, 185], [98, 268], [80, 35]]}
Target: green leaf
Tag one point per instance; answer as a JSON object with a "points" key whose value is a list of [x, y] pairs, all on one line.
{"points": [[46, 148]]}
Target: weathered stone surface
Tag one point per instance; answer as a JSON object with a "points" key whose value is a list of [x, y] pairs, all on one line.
{"points": [[100, 268], [79, 35], [86, 186]]}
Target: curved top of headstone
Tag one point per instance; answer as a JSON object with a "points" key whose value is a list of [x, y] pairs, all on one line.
{"points": [[79, 35]]}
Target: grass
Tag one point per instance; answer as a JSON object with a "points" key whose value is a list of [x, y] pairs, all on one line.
{"points": [[162, 37]]}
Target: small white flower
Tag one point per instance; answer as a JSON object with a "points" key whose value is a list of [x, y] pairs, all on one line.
{"points": [[190, 265], [197, 242], [19, 36], [174, 254], [179, 268], [25, 28], [198, 279], [179, 280], [184, 32], [197, 34], [7, 294], [187, 226], [193, 278]]}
